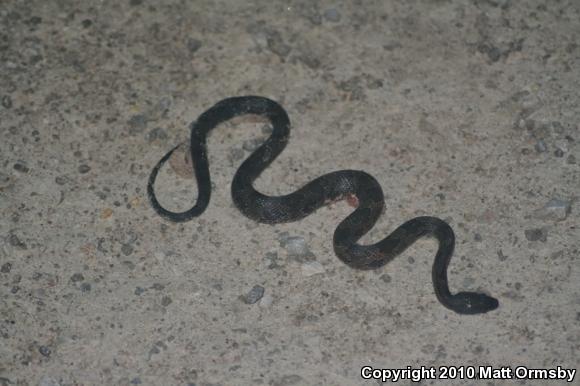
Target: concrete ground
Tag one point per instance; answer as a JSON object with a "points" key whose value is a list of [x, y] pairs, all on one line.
{"points": [[467, 111]]}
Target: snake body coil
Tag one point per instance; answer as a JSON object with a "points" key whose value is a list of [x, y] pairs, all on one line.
{"points": [[315, 194]]}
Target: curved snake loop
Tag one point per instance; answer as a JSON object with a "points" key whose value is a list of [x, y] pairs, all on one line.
{"points": [[315, 194]]}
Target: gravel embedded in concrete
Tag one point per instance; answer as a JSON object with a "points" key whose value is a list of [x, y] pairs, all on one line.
{"points": [[254, 294], [555, 210], [468, 111]]}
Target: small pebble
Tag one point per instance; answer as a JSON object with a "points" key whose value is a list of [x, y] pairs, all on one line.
{"points": [[492, 52], [106, 213], [127, 249], [563, 145], [77, 277], [6, 101], [276, 43], [61, 180], [6, 267], [386, 278], [236, 154], [311, 268], [21, 167], [154, 350], [86, 287], [84, 169], [165, 301], [180, 161], [272, 257], [101, 195], [296, 247], [252, 144], [536, 234], [332, 15], [255, 294], [47, 381], [158, 287], [266, 301], [541, 146], [559, 153], [87, 23], [555, 210], [45, 351], [267, 129], [16, 242], [193, 45], [160, 343], [137, 124]]}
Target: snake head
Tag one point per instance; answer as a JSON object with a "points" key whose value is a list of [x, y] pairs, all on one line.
{"points": [[470, 303]]}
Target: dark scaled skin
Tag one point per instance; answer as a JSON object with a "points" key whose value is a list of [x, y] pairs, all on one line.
{"points": [[343, 184]]}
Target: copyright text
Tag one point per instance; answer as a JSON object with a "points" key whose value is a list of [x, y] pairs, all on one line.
{"points": [[417, 374]]}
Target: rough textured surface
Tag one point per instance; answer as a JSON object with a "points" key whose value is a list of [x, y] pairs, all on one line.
{"points": [[463, 110]]}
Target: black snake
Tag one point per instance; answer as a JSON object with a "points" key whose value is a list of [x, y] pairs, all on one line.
{"points": [[315, 194]]}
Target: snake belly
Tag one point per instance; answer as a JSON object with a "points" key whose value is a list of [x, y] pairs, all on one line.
{"points": [[315, 194]]}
